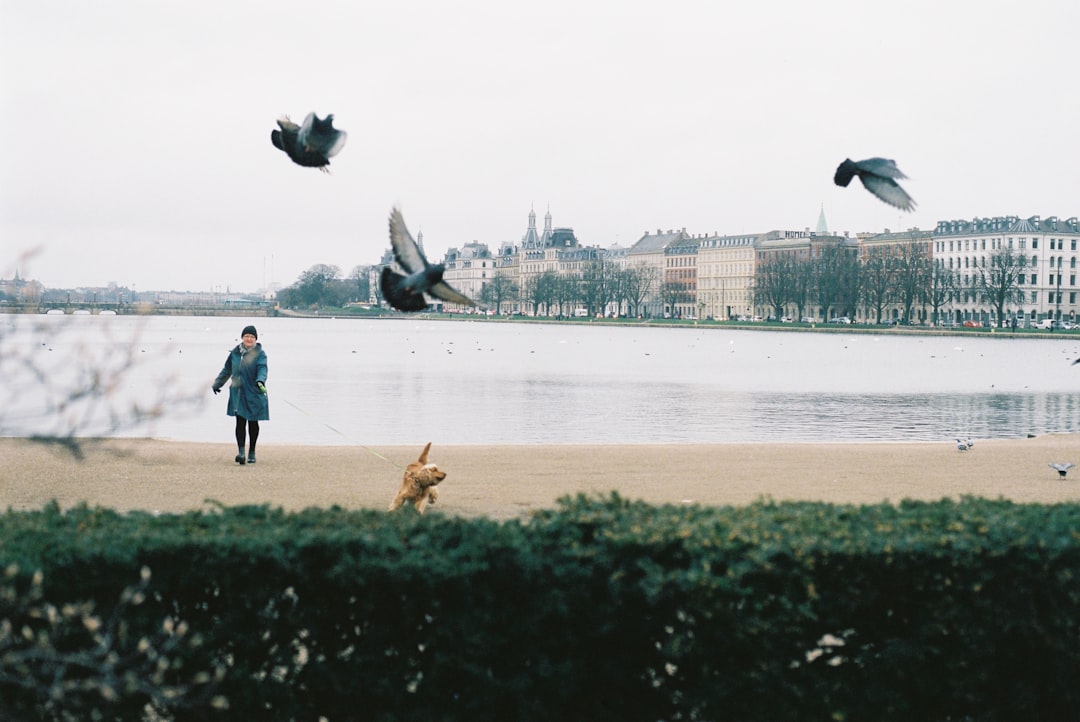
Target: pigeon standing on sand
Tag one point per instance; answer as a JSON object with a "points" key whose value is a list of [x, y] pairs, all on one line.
{"points": [[1062, 469], [964, 444], [312, 144], [406, 292], [877, 176]]}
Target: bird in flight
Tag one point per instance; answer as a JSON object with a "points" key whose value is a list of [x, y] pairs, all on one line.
{"points": [[878, 176], [406, 292], [1062, 469], [312, 144]]}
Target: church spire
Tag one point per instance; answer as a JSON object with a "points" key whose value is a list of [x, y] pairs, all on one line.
{"points": [[822, 227]]}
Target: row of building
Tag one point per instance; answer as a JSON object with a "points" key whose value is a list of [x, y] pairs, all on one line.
{"points": [[716, 272]]}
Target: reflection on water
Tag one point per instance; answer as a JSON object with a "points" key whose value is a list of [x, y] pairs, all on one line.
{"points": [[913, 417], [408, 381]]}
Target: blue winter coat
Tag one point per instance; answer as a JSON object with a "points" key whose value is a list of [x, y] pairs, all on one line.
{"points": [[246, 368]]}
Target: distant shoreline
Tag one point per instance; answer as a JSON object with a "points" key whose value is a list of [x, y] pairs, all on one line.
{"points": [[824, 327]]}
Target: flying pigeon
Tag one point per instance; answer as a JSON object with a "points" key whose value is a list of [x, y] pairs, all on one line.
{"points": [[312, 144], [406, 292], [1062, 469], [877, 176]]}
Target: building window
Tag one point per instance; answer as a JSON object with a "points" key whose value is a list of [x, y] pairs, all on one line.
{"points": [[1034, 296], [1034, 279]]}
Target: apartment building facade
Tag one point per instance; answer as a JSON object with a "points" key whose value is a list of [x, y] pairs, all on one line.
{"points": [[725, 276], [714, 276], [1050, 247]]}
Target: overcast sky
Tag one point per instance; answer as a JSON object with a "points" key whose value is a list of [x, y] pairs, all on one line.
{"points": [[138, 133]]}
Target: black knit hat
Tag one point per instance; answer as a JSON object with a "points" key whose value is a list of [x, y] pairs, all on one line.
{"points": [[247, 330]]}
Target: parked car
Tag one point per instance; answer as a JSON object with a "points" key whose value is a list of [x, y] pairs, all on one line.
{"points": [[807, 319], [972, 324], [841, 319]]}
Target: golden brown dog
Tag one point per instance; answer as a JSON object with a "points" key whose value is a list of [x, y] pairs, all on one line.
{"points": [[419, 482]]}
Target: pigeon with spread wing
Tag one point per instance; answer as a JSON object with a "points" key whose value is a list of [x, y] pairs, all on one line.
{"points": [[312, 144], [406, 292], [1062, 468], [878, 176]]}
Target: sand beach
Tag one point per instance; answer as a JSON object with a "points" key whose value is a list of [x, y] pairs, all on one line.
{"points": [[506, 481]]}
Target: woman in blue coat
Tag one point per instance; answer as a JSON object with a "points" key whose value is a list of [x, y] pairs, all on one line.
{"points": [[245, 366]]}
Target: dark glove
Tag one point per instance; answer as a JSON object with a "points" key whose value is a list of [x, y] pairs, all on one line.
{"points": [[216, 390], [262, 387]]}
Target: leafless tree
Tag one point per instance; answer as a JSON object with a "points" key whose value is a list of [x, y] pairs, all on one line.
{"points": [[836, 279], [912, 276], [943, 288], [61, 389], [775, 284], [598, 285], [998, 282], [879, 273], [541, 291], [360, 276], [636, 284], [499, 289]]}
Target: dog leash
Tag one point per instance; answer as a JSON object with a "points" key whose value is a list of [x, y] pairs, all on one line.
{"points": [[365, 448]]}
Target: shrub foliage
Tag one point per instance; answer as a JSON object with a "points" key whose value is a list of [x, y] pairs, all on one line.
{"points": [[600, 609]]}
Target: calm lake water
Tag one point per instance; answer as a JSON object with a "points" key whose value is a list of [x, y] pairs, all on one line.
{"points": [[408, 381]]}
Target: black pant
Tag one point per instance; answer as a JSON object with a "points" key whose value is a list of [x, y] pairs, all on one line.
{"points": [[252, 428]]}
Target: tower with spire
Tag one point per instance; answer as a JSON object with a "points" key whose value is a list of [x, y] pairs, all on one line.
{"points": [[531, 241], [822, 226]]}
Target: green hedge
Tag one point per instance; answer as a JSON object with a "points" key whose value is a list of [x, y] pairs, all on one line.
{"points": [[599, 609]]}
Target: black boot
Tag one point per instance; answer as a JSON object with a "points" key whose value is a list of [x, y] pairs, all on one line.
{"points": [[240, 457]]}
